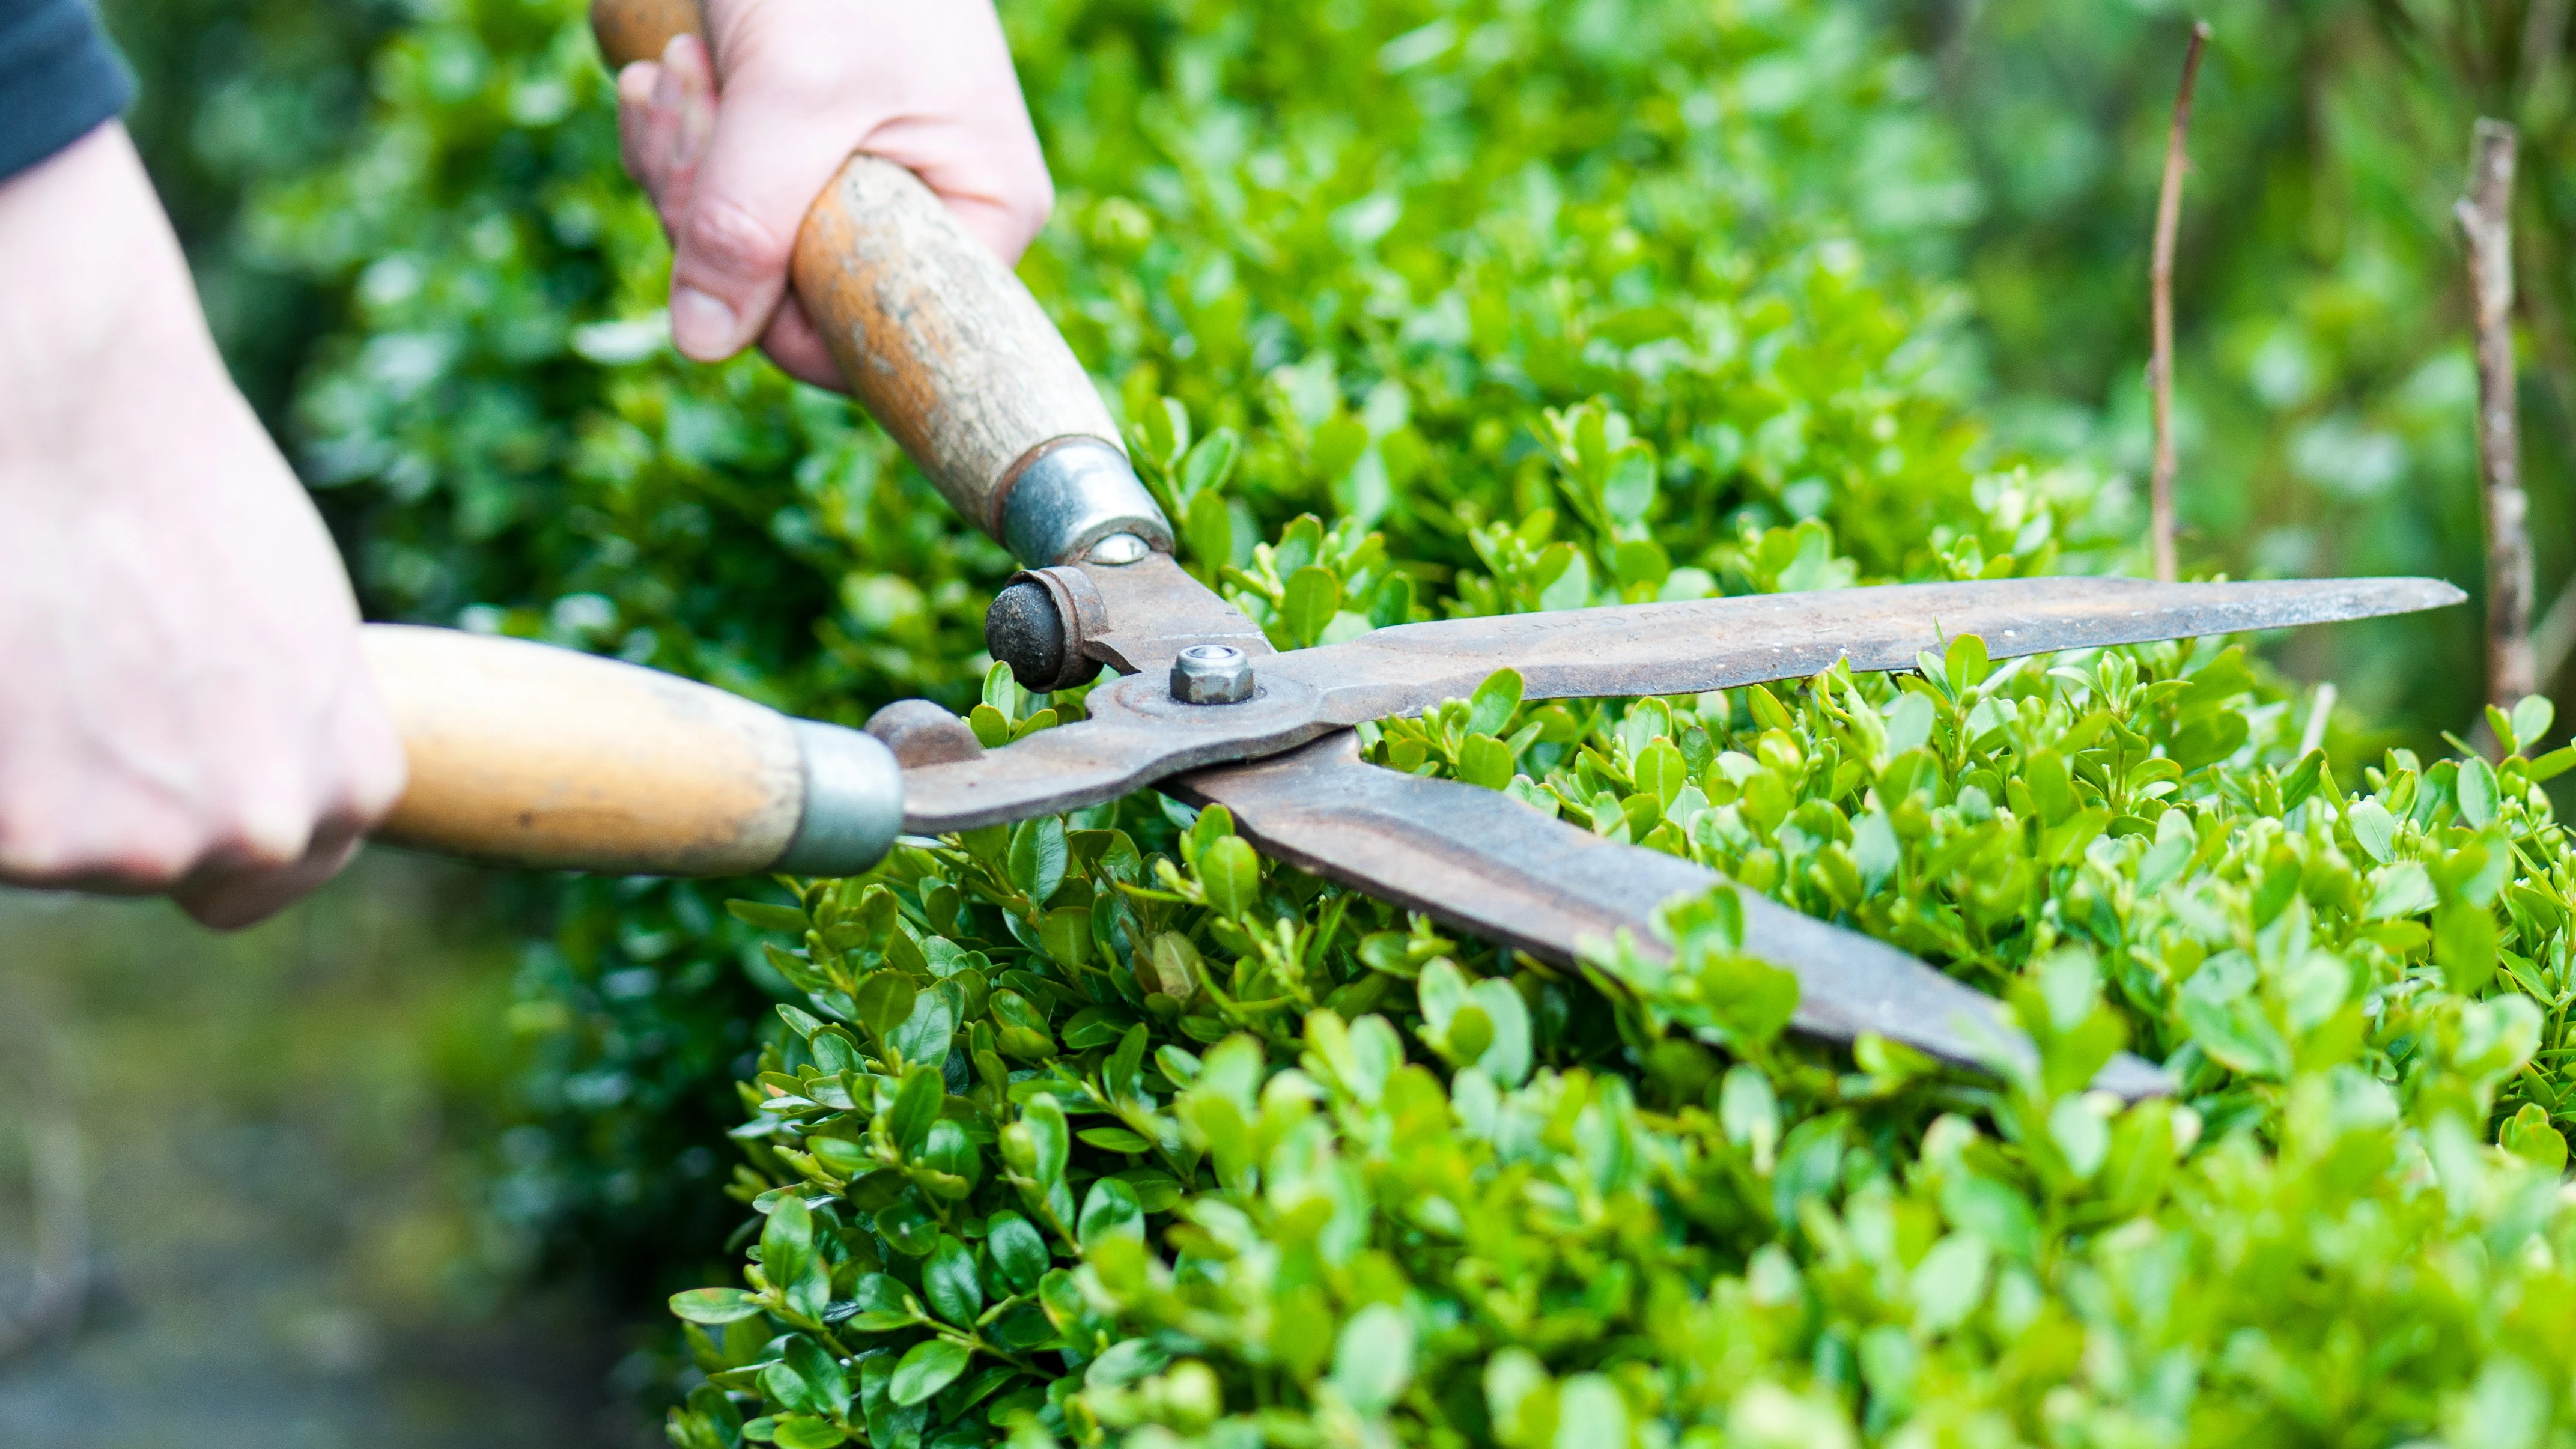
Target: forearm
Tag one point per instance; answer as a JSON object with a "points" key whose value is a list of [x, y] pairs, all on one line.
{"points": [[187, 708]]}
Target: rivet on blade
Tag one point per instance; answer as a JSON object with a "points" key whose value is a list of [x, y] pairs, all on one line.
{"points": [[1212, 674]]}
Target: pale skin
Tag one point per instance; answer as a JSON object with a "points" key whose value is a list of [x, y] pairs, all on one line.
{"points": [[735, 145], [185, 707]]}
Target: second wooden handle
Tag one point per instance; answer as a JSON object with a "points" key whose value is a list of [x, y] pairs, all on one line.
{"points": [[944, 345], [522, 754]]}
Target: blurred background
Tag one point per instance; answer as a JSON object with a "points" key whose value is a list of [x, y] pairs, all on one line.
{"points": [[414, 1164]]}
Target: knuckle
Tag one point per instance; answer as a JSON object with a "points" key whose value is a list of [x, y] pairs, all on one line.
{"points": [[720, 234], [146, 853]]}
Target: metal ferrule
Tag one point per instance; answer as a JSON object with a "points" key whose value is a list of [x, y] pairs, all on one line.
{"points": [[1068, 494], [853, 802]]}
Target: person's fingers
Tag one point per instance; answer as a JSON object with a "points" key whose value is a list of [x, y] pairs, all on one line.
{"points": [[798, 348], [635, 117], [236, 887], [988, 172], [228, 899], [786, 124]]}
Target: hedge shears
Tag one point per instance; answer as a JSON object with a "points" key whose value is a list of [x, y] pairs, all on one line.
{"points": [[525, 754]]}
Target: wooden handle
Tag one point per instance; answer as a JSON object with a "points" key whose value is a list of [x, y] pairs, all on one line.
{"points": [[944, 346], [528, 755], [633, 30]]}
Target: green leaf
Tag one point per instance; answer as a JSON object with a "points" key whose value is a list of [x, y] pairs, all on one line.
{"points": [[924, 1035], [1017, 1249], [2477, 792], [908, 1226], [803, 1431], [1066, 935], [1987, 1208], [1002, 691], [2208, 740], [876, 1305], [1965, 664], [1486, 761], [1391, 602], [947, 1150], [950, 1284], [1663, 771], [2373, 828], [1231, 873], [1313, 595], [1208, 526], [1950, 1281], [767, 917], [1373, 1358], [885, 1000], [1568, 578], [1909, 723], [1045, 1121], [1491, 707], [2528, 1133], [1338, 444], [1038, 857], [1591, 1413], [787, 1240], [925, 1369], [2464, 943], [1209, 464], [1109, 1210], [830, 1388], [916, 1106], [2404, 889], [714, 1305], [1125, 1362], [2532, 716]]}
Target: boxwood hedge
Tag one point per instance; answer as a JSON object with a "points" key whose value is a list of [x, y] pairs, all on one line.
{"points": [[1102, 1127]]}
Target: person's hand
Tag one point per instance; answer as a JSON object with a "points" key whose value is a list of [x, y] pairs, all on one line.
{"points": [[734, 152], [183, 707]]}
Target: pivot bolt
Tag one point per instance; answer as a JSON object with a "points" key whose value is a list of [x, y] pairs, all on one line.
{"points": [[1212, 674], [1118, 548]]}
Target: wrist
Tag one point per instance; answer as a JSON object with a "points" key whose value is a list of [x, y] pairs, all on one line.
{"points": [[99, 300]]}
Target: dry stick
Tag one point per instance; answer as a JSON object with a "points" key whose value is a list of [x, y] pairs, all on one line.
{"points": [[2160, 295], [2486, 220]]}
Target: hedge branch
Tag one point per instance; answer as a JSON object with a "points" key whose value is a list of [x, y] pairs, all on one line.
{"points": [[2160, 302], [2486, 221]]}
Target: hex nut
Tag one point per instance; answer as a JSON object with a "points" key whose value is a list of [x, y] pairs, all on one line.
{"points": [[1212, 674]]}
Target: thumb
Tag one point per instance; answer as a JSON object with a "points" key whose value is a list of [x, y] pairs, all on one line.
{"points": [[777, 142]]}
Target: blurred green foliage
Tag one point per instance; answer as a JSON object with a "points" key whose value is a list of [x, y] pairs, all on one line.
{"points": [[2323, 377], [1414, 309]]}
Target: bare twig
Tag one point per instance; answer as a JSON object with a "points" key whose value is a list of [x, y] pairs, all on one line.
{"points": [[2486, 220], [2160, 291]]}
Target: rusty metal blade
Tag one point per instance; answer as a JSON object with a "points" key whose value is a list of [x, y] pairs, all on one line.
{"points": [[1137, 734], [1703, 644], [1481, 862]]}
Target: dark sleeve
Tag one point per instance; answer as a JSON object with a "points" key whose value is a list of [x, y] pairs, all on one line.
{"points": [[59, 78]]}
